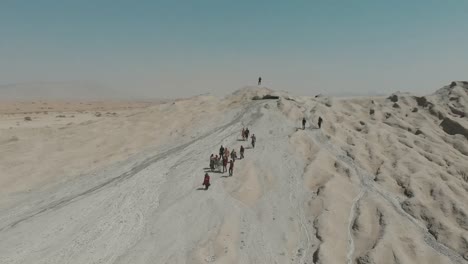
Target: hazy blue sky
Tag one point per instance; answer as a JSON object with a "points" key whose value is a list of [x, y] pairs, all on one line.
{"points": [[174, 48]]}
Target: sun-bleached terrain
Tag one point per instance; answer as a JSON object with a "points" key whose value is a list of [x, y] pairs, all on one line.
{"points": [[385, 180]]}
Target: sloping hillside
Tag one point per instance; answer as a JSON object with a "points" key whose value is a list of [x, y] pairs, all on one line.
{"points": [[383, 181]]}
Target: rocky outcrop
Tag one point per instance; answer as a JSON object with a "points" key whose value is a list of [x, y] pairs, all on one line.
{"points": [[452, 127], [435, 111], [265, 97], [393, 98], [422, 101], [463, 84]]}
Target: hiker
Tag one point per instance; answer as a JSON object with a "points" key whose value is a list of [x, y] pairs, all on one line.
{"points": [[226, 153], [243, 133], [219, 163], [233, 154], [206, 181], [303, 123], [320, 120], [211, 162], [221, 151], [253, 140], [231, 167], [216, 162], [247, 133], [259, 80], [241, 152], [225, 162]]}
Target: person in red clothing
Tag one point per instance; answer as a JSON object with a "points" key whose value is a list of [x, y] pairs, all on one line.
{"points": [[231, 167], [206, 181]]}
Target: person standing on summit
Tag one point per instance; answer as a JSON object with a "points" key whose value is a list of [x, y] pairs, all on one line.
{"points": [[259, 81]]}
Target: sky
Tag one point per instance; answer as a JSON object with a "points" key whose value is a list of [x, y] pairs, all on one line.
{"points": [[183, 48]]}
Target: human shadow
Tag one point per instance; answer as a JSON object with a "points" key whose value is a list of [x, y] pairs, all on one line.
{"points": [[201, 189], [307, 128], [216, 171], [226, 176]]}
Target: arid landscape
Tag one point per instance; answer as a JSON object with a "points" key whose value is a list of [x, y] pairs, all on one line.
{"points": [[385, 180]]}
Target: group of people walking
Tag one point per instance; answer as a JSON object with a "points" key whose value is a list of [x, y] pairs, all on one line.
{"points": [[216, 162], [245, 136], [320, 120], [222, 160]]}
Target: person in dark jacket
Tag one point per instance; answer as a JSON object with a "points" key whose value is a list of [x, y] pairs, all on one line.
{"points": [[241, 152], [303, 123], [221, 151], [320, 120], [259, 80]]}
